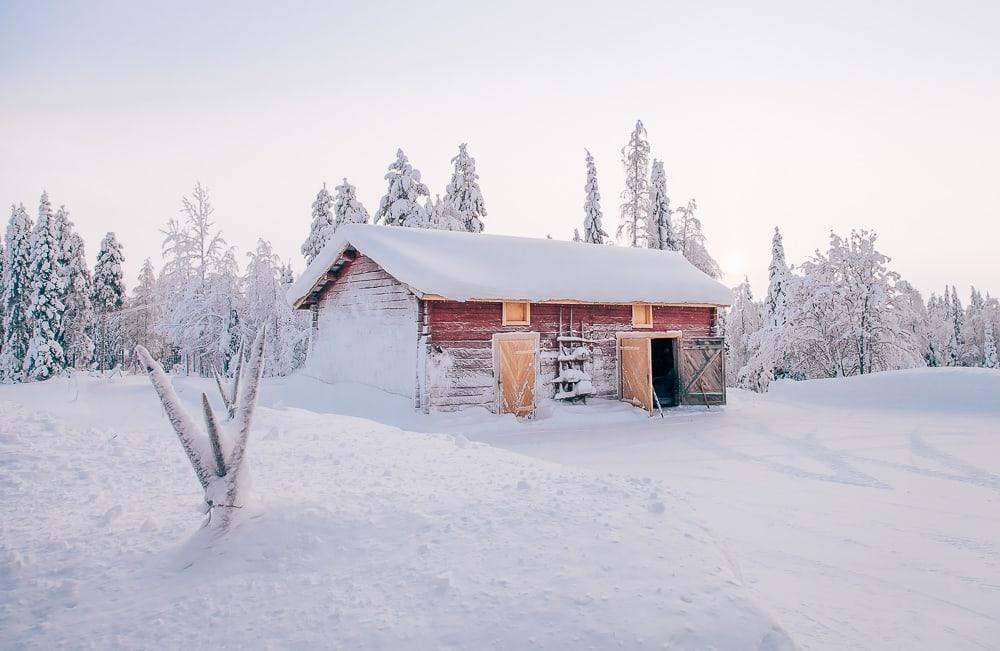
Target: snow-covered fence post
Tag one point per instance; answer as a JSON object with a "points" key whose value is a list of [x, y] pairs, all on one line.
{"points": [[217, 456]]}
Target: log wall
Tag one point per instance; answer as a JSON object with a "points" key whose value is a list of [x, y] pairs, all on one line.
{"points": [[460, 356]]}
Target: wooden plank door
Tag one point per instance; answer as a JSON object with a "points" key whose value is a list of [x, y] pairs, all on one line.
{"points": [[516, 383], [636, 371], [703, 371]]}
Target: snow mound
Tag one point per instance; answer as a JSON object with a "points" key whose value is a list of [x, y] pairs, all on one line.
{"points": [[975, 390], [365, 536]]}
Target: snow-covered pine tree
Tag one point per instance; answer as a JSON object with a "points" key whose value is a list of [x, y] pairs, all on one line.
{"points": [[775, 307], [231, 341], [16, 296], [661, 231], [400, 205], [78, 322], [108, 298], [914, 318], [3, 285], [593, 229], [990, 358], [690, 240], [463, 194], [45, 357], [743, 320], [346, 207], [576, 235], [635, 198], [441, 216], [766, 348], [144, 312], [954, 349], [265, 304], [322, 226], [293, 328]]}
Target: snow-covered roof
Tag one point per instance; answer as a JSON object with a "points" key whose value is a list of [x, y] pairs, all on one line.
{"points": [[475, 266]]}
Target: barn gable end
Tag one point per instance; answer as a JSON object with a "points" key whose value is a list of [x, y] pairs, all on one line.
{"points": [[366, 329]]}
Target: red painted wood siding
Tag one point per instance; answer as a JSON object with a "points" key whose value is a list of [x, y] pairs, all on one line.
{"points": [[462, 332]]}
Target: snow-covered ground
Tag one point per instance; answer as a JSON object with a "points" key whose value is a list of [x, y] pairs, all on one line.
{"points": [[863, 513], [857, 513], [364, 537]]}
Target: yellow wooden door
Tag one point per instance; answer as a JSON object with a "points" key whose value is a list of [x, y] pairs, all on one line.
{"points": [[516, 358], [637, 380]]}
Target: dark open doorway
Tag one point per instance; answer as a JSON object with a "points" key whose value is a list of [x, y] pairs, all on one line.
{"points": [[666, 385]]}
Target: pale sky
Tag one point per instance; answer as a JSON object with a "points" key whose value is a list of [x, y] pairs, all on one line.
{"points": [[810, 116]]}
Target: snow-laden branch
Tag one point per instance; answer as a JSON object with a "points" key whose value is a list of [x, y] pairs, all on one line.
{"points": [[217, 457], [193, 440]]}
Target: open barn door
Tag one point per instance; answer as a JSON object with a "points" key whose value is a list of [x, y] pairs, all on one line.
{"points": [[636, 374], [703, 371]]}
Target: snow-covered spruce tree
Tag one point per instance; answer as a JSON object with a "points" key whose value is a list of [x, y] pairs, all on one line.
{"points": [[293, 327], [914, 319], [766, 348], [776, 305], [463, 194], [143, 313], [3, 279], [218, 452], [45, 356], [108, 298], [576, 235], [742, 321], [954, 348], [16, 296], [972, 331], [231, 341], [635, 198], [690, 240], [347, 208], [322, 226], [400, 205], [78, 321], [264, 304], [593, 229], [990, 358], [661, 231], [441, 216]]}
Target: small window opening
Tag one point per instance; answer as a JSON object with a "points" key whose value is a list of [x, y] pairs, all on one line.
{"points": [[517, 313], [642, 316]]}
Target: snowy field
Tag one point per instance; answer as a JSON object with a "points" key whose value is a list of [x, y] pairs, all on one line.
{"points": [[859, 513], [364, 537]]}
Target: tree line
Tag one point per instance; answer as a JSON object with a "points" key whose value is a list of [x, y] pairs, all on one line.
{"points": [[845, 312], [57, 315]]}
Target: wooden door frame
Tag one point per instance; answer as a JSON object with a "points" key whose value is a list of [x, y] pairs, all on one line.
{"points": [[677, 335], [501, 336]]}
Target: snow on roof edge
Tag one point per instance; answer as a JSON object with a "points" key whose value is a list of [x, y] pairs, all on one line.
{"points": [[420, 259]]}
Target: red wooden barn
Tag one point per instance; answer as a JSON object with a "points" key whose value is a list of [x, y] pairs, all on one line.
{"points": [[454, 320]]}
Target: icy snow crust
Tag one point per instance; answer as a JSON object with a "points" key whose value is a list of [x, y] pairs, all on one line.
{"points": [[464, 266], [365, 536]]}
